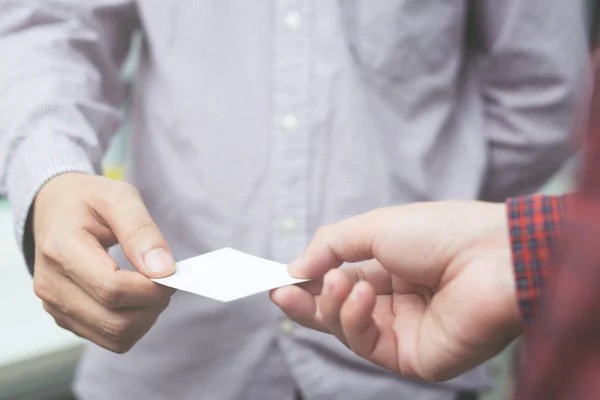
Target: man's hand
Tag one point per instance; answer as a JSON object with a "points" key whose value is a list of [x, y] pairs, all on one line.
{"points": [[76, 218], [436, 297]]}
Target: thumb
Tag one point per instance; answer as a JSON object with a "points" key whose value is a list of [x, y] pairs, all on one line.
{"points": [[350, 240], [143, 243]]}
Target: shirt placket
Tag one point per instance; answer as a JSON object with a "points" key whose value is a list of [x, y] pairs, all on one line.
{"points": [[290, 145]]}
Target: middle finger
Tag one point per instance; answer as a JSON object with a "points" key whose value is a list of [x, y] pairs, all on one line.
{"points": [[336, 288], [116, 324]]}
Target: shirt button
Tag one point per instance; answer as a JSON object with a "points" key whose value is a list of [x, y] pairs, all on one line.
{"points": [[292, 21], [287, 326], [289, 224], [290, 123]]}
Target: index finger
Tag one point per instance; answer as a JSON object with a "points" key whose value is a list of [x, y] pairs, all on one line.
{"points": [[350, 240], [123, 210], [97, 273]]}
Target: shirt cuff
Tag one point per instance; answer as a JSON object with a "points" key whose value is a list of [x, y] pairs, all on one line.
{"points": [[535, 225], [36, 160]]}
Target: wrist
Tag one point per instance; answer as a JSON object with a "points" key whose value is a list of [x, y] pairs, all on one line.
{"points": [[26, 174]]}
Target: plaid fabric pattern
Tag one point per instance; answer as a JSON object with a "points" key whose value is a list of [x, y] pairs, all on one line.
{"points": [[562, 358], [535, 224]]}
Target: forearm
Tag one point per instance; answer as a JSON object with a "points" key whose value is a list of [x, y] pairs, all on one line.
{"points": [[60, 91]]}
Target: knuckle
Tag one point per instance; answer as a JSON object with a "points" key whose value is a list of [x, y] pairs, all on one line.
{"points": [[59, 318], [56, 309], [56, 248], [40, 288], [47, 246], [324, 235], [109, 292], [359, 275], [138, 228], [117, 328]]}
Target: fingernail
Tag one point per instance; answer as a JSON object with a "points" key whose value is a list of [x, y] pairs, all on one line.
{"points": [[158, 261]]}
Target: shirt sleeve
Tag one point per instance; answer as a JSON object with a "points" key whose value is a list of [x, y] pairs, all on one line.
{"points": [[534, 77], [535, 226], [60, 90]]}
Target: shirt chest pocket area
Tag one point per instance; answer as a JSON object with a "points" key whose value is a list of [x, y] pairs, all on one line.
{"points": [[401, 39]]}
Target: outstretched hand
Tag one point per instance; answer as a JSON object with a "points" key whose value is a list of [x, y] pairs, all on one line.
{"points": [[434, 297]]}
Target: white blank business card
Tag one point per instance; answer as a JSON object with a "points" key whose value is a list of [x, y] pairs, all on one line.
{"points": [[228, 275]]}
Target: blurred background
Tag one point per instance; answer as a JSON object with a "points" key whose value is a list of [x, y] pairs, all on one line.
{"points": [[37, 359]]}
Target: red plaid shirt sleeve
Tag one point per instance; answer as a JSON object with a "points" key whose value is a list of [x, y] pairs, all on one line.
{"points": [[562, 356], [535, 224]]}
